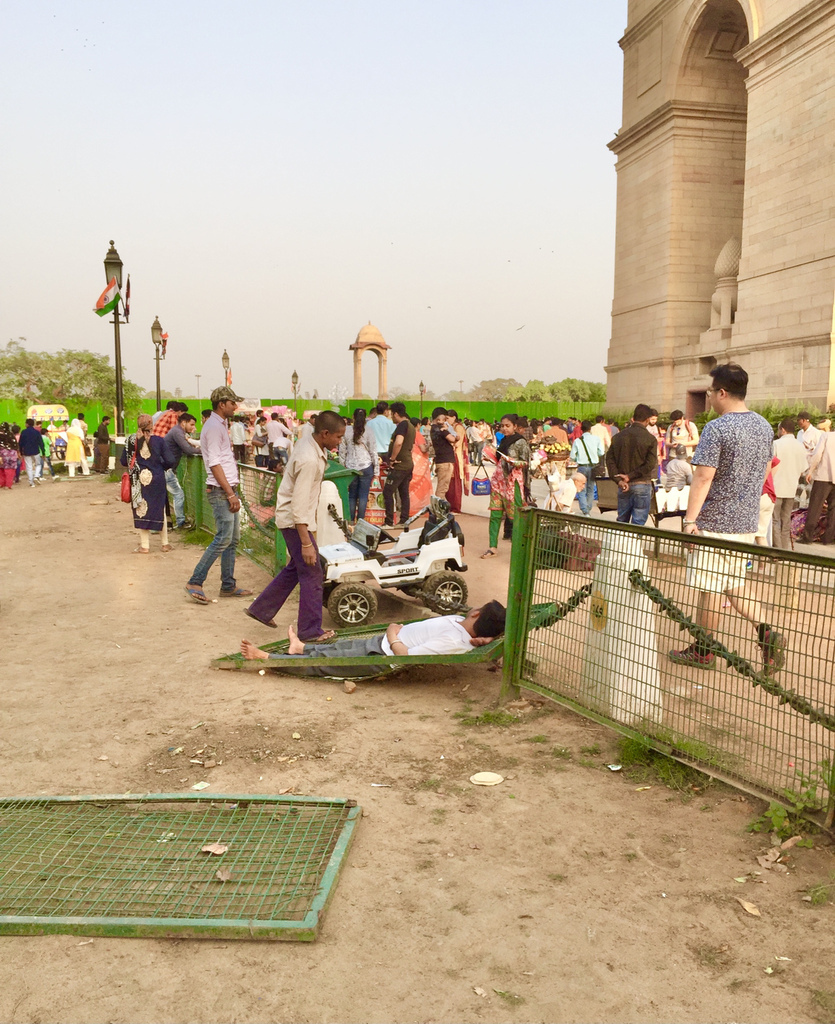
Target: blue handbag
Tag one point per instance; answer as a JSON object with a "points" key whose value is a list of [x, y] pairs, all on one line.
{"points": [[480, 486]]}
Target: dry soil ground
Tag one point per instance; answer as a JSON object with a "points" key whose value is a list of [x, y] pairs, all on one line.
{"points": [[567, 893]]}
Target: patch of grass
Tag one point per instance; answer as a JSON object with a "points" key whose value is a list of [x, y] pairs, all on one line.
{"points": [[509, 997], [630, 855], [592, 751], [645, 764], [820, 893], [717, 958], [563, 752], [425, 865], [114, 476], [554, 876], [198, 538], [439, 815], [462, 908], [825, 1001], [536, 739], [428, 784], [499, 718]]}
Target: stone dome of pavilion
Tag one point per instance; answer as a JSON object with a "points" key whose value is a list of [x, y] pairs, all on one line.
{"points": [[369, 337]]}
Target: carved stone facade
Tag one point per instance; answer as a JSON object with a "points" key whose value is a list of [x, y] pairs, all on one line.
{"points": [[369, 339], [726, 201]]}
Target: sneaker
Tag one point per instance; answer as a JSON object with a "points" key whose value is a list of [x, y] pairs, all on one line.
{"points": [[773, 648], [690, 656]]}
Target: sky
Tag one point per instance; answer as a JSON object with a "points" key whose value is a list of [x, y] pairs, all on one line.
{"points": [[277, 174]]}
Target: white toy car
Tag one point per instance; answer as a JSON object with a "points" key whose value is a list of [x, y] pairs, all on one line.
{"points": [[425, 565]]}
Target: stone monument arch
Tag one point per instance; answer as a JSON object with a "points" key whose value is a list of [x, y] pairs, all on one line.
{"points": [[724, 247], [369, 339]]}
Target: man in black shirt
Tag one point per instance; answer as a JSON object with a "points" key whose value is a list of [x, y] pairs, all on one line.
{"points": [[400, 463], [443, 438], [632, 460], [101, 455]]}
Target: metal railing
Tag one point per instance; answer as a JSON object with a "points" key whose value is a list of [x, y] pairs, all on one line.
{"points": [[259, 539], [595, 609]]}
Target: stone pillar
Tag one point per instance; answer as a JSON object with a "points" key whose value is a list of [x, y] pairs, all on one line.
{"points": [[357, 373], [620, 660], [382, 374]]}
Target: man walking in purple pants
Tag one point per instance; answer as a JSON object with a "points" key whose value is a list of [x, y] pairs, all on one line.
{"points": [[295, 516]]}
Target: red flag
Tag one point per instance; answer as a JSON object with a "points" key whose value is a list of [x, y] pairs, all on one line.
{"points": [[164, 343], [127, 299], [229, 378]]}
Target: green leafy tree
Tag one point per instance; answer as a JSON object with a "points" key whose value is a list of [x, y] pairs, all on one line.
{"points": [[71, 377], [493, 390]]}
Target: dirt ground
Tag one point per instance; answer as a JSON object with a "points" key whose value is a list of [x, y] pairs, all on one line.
{"points": [[567, 893]]}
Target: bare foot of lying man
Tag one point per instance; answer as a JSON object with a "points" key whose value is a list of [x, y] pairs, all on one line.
{"points": [[446, 634]]}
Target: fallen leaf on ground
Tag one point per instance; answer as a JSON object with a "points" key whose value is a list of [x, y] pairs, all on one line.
{"points": [[103, 757], [743, 879], [640, 789], [297, 735], [349, 686], [287, 789], [479, 991], [789, 843], [199, 785], [749, 908], [215, 848], [223, 875]]}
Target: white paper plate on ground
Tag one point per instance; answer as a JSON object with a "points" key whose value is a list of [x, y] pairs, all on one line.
{"points": [[486, 779]]}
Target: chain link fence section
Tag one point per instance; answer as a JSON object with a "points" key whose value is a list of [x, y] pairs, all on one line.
{"points": [[755, 707], [257, 490]]}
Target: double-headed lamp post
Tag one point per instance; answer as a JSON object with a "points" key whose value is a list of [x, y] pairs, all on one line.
{"points": [[225, 361], [156, 338], [295, 382], [113, 268], [422, 390]]}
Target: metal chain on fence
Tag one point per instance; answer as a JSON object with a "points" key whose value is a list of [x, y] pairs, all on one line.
{"points": [[558, 610], [734, 660]]}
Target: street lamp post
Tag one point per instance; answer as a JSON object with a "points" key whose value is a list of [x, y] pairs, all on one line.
{"points": [[225, 360], [198, 376], [422, 390], [113, 268], [156, 337], [295, 382]]}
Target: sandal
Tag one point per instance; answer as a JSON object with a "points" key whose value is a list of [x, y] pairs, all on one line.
{"points": [[196, 594], [167, 547], [142, 551], [237, 592], [272, 623], [328, 634], [489, 553]]}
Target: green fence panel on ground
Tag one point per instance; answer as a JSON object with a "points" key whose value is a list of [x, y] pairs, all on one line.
{"points": [[595, 609]]}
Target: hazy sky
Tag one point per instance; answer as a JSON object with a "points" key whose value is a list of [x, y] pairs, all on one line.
{"points": [[277, 174]]}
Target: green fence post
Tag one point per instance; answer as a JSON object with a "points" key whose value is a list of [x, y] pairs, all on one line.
{"points": [[519, 588]]}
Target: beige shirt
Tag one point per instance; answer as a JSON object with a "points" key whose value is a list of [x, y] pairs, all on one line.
{"points": [[298, 495], [602, 431], [822, 464]]}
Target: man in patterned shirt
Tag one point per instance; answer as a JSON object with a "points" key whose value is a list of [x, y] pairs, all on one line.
{"points": [[729, 469]]}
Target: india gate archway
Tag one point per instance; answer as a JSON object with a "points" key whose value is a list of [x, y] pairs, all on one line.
{"points": [[369, 339], [725, 243]]}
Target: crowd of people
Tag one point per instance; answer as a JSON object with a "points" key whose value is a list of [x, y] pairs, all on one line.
{"points": [[33, 447]]}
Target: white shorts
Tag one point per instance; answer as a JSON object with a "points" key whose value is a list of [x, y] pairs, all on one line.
{"points": [[766, 512], [716, 571]]}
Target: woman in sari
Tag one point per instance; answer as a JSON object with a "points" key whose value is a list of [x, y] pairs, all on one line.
{"points": [[460, 482], [507, 484], [8, 456], [144, 455], [420, 487], [76, 454]]}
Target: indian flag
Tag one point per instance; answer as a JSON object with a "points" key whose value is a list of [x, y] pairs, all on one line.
{"points": [[109, 299]]}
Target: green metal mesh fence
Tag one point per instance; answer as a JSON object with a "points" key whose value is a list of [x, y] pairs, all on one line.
{"points": [[749, 695], [258, 492], [135, 866]]}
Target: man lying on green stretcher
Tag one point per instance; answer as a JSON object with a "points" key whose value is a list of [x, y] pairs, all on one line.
{"points": [[447, 634]]}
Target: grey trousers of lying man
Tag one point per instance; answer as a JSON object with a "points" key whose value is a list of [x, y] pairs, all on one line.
{"points": [[350, 647]]}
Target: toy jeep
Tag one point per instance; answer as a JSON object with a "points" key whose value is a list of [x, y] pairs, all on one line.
{"points": [[425, 565]]}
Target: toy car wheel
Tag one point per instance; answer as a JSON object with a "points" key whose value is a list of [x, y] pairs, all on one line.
{"points": [[444, 589], [352, 604]]}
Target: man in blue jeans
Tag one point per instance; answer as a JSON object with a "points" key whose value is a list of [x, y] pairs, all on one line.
{"points": [[632, 460], [222, 495], [586, 451]]}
